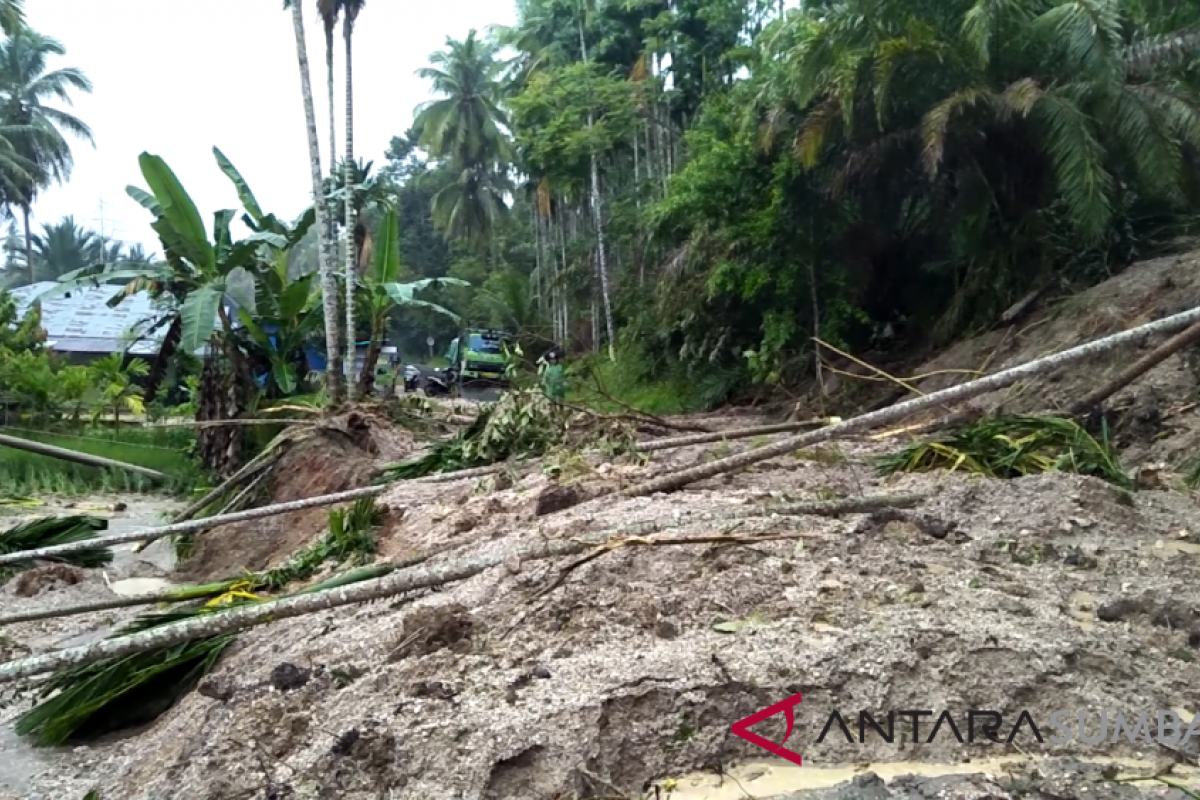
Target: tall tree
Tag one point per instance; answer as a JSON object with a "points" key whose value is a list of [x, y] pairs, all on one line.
{"points": [[330, 11], [26, 84], [335, 379], [351, 9], [12, 16], [598, 204], [466, 127]]}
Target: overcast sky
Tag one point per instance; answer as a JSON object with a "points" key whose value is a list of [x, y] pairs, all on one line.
{"points": [[176, 77]]}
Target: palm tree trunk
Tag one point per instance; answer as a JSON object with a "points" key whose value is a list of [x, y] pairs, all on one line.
{"points": [[964, 391], [351, 221], [366, 378], [1136, 370], [329, 86], [598, 212], [331, 226], [333, 367], [601, 256], [28, 244]]}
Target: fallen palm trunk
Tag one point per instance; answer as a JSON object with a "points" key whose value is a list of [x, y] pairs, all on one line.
{"points": [[396, 582], [1136, 370], [655, 445], [191, 526], [181, 594], [227, 423], [87, 459], [677, 480], [90, 700], [262, 461]]}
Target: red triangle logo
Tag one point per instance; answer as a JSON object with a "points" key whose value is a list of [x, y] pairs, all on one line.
{"points": [[741, 728]]}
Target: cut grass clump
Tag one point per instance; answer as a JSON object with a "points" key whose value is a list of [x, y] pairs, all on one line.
{"points": [[165, 450], [1011, 447]]}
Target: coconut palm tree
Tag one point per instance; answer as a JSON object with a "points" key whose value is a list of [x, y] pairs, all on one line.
{"points": [[62, 247], [351, 9], [466, 126], [335, 380], [37, 130], [330, 11], [12, 16]]}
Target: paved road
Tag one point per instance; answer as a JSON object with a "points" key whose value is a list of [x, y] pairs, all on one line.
{"points": [[485, 394]]}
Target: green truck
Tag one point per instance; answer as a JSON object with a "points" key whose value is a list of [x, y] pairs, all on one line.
{"points": [[481, 359]]}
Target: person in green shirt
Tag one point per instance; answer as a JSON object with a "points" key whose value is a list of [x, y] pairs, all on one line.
{"points": [[554, 382]]}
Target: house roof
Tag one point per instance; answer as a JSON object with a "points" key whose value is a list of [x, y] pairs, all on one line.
{"points": [[82, 321]]}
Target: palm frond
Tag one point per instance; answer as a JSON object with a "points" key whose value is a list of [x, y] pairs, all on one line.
{"points": [[51, 531]]}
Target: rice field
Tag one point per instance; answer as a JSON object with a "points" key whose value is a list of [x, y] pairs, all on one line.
{"points": [[167, 450]]}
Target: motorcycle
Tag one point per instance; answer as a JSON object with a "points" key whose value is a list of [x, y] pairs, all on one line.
{"points": [[439, 382], [412, 378]]}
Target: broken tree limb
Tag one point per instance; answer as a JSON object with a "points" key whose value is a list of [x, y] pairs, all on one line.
{"points": [[655, 445], [964, 391], [179, 594], [1136, 370], [396, 582], [86, 459], [262, 461]]}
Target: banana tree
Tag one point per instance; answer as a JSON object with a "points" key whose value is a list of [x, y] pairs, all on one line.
{"points": [[286, 316], [384, 294], [200, 278]]}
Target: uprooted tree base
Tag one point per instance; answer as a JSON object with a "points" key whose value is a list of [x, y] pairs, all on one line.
{"points": [[332, 455]]}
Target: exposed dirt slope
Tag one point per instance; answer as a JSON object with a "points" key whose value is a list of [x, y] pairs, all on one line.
{"points": [[1159, 407], [985, 597], [340, 455], [1054, 592]]}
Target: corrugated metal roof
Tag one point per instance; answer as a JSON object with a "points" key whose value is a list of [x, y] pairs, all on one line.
{"points": [[83, 322]]}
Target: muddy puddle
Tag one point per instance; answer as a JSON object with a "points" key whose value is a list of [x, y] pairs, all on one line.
{"points": [[769, 779]]}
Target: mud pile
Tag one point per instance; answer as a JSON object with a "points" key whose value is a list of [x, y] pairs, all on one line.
{"points": [[1046, 593], [342, 453], [1041, 594]]}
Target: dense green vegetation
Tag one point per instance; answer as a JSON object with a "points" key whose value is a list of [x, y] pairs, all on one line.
{"points": [[710, 183], [683, 195]]}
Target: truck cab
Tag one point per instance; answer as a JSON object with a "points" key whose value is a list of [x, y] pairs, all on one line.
{"points": [[478, 355]]}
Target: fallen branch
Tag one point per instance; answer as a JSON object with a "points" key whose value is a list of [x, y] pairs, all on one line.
{"points": [[86, 459], [396, 582], [1136, 370], [180, 594], [677, 480], [227, 423]]}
